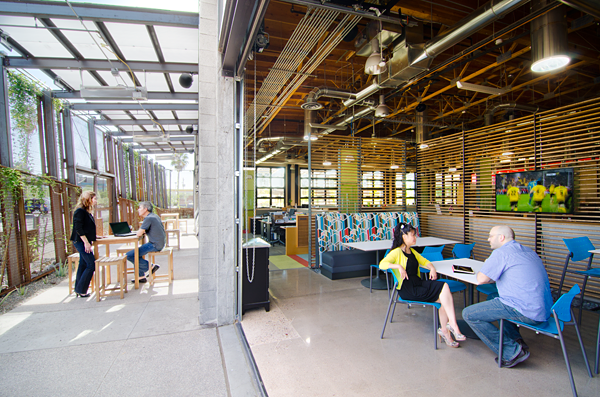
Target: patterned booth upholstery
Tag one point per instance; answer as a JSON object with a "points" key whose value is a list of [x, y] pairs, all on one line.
{"points": [[334, 228]]}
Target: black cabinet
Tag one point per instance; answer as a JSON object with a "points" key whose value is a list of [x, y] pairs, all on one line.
{"points": [[255, 273]]}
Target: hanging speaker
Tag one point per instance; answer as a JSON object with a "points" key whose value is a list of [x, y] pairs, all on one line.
{"points": [[420, 107]]}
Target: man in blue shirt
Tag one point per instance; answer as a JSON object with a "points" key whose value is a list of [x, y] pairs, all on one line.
{"points": [[524, 295]]}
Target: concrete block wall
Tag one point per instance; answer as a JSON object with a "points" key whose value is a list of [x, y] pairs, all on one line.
{"points": [[216, 177]]}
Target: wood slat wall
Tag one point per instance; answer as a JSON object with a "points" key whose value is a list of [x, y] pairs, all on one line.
{"points": [[559, 138]]}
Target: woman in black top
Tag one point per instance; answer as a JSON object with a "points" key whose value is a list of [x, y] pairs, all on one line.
{"points": [[411, 287], [84, 234]]}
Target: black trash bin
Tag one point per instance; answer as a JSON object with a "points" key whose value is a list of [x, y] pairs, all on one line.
{"points": [[255, 273]]}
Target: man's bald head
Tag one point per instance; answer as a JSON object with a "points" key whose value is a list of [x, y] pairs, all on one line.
{"points": [[500, 235]]}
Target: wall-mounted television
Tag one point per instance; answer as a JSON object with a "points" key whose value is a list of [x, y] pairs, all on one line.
{"points": [[548, 191]]}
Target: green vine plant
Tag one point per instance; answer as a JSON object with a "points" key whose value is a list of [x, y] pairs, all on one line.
{"points": [[23, 98]]}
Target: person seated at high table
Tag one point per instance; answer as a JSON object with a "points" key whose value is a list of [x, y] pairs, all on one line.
{"points": [[153, 228], [83, 235], [405, 262], [524, 295]]}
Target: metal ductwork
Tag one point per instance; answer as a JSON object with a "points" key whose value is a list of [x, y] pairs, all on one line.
{"points": [[412, 56], [489, 116], [591, 7], [310, 102]]}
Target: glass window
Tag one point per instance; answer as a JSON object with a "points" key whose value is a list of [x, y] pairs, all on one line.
{"points": [[81, 142], [373, 193], [324, 187], [410, 189], [270, 184]]}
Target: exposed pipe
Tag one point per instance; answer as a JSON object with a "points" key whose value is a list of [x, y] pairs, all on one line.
{"points": [[591, 7], [489, 116], [310, 102], [470, 24]]}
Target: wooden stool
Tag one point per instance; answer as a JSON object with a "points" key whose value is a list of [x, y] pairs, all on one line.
{"points": [[174, 232], [152, 257], [105, 262], [73, 264], [124, 250]]}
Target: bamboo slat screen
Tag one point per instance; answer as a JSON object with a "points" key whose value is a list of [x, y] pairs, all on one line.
{"points": [[370, 174], [456, 184]]}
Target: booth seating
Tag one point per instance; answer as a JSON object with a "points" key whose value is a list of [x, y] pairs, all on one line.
{"points": [[102, 264], [336, 265], [333, 229], [73, 264]]}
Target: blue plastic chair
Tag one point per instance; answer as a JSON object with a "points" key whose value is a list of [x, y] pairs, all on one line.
{"points": [[387, 271], [395, 298], [553, 327], [488, 289], [578, 251], [435, 254], [463, 251]]}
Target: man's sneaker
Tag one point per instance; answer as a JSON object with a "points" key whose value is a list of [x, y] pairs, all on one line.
{"points": [[522, 356], [521, 342], [155, 268], [142, 280]]}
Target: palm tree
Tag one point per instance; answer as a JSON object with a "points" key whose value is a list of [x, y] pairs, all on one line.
{"points": [[179, 162]]}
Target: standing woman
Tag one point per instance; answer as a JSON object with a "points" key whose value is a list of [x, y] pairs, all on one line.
{"points": [[84, 234], [405, 263]]}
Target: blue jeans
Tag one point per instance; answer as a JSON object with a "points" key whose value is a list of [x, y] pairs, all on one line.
{"points": [[480, 317], [143, 250], [85, 270]]}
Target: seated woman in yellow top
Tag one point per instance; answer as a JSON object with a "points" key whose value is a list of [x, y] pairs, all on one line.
{"points": [[405, 263]]}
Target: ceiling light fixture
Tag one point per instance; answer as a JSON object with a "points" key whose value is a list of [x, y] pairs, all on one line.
{"points": [[423, 146], [116, 92], [375, 64], [507, 154], [382, 110], [151, 138], [326, 162], [481, 88], [549, 40], [394, 167]]}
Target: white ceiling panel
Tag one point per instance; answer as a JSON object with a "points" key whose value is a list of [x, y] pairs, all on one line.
{"points": [[179, 88], [164, 114], [154, 81], [133, 40], [178, 44], [83, 40], [187, 114], [39, 42], [73, 78]]}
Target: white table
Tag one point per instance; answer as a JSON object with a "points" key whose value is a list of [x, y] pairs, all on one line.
{"points": [[381, 245], [445, 268]]}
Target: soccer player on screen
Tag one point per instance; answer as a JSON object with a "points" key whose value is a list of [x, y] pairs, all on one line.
{"points": [[561, 193], [513, 197], [537, 195]]}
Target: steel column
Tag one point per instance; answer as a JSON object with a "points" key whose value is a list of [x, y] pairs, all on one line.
{"points": [[69, 147]]}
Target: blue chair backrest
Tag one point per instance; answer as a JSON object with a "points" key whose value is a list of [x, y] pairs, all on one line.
{"points": [[578, 247], [463, 250], [562, 307], [433, 253]]}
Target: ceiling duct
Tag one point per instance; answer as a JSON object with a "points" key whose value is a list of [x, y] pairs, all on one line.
{"points": [[591, 7], [310, 102], [548, 39], [489, 116]]}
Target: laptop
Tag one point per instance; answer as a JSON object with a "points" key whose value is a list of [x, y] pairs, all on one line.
{"points": [[121, 229]]}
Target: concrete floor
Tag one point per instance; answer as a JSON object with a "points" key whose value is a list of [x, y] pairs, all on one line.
{"points": [[321, 338], [148, 344]]}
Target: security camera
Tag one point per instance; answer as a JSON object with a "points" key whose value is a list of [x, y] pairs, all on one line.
{"points": [[186, 80]]}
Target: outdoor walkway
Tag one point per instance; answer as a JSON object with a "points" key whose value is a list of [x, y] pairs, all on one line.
{"points": [[148, 344]]}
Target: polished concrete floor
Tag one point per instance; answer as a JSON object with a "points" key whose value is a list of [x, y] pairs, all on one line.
{"points": [[322, 338]]}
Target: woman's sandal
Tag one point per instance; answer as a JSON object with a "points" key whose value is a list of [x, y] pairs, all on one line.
{"points": [[457, 336], [449, 340]]}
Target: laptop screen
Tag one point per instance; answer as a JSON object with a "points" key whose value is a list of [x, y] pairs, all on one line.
{"points": [[120, 227]]}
